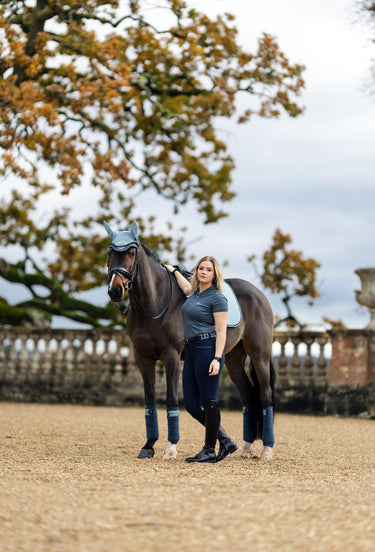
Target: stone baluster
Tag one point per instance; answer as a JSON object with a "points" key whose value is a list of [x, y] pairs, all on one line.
{"points": [[45, 357], [23, 360], [69, 354], [89, 368], [282, 364], [12, 357], [3, 354], [94, 360], [34, 356], [321, 376], [51, 359], [59, 356], [106, 358], [80, 361], [295, 365], [308, 363], [117, 376], [37, 355]]}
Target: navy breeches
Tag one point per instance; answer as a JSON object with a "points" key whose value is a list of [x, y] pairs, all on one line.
{"points": [[199, 387]]}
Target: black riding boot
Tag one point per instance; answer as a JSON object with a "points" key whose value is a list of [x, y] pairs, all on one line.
{"points": [[227, 445], [212, 424]]}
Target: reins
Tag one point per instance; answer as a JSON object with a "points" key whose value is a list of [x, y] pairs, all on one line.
{"points": [[163, 311]]}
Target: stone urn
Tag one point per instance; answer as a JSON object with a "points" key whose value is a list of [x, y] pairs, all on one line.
{"points": [[366, 296]]}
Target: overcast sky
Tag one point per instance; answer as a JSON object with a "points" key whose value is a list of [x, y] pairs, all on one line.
{"points": [[313, 176]]}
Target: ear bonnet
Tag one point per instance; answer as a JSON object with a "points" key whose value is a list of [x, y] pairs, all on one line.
{"points": [[122, 240]]}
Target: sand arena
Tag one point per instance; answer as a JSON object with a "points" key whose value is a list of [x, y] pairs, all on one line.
{"points": [[70, 481]]}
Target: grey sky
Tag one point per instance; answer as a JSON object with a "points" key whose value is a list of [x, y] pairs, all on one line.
{"points": [[313, 176]]}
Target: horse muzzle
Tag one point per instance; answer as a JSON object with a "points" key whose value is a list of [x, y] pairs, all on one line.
{"points": [[120, 282], [116, 293]]}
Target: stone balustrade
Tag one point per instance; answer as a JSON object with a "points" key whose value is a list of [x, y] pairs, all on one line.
{"points": [[89, 366], [301, 358], [49, 351], [316, 371]]}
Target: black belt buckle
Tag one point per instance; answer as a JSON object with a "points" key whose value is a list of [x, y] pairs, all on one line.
{"points": [[199, 337]]}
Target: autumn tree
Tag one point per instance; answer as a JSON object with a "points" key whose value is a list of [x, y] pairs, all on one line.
{"points": [[285, 271], [365, 10], [118, 99]]}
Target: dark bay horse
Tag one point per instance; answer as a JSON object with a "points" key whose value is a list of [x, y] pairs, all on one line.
{"points": [[154, 324]]}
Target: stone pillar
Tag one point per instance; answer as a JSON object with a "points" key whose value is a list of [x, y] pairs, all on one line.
{"points": [[366, 296], [353, 358]]}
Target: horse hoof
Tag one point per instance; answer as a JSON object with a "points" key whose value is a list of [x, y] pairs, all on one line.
{"points": [[267, 454], [170, 452], [170, 455], [246, 451], [146, 453]]}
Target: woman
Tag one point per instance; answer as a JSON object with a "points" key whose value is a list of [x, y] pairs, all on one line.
{"points": [[205, 314]]}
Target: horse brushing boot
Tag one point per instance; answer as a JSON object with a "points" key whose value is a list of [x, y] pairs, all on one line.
{"points": [[227, 445], [152, 431], [268, 435], [212, 423]]}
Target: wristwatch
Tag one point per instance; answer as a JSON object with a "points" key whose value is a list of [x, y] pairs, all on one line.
{"points": [[218, 358]]}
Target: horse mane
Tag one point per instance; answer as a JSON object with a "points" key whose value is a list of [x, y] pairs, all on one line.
{"points": [[181, 268], [151, 254]]}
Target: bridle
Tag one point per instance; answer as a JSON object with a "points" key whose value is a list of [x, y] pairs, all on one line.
{"points": [[128, 286], [121, 272]]}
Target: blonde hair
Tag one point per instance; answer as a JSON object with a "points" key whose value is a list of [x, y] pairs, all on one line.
{"points": [[218, 274]]}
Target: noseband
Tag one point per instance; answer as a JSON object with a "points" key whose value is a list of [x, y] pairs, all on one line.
{"points": [[121, 272]]}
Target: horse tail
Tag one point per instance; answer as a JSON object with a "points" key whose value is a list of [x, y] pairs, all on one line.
{"points": [[272, 383], [256, 404]]}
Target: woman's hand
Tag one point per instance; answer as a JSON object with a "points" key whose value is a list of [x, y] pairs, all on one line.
{"points": [[183, 283], [214, 368]]}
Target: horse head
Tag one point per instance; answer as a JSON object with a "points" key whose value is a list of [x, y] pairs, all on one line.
{"points": [[122, 260]]}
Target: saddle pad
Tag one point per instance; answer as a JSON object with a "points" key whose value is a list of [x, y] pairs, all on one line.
{"points": [[234, 309]]}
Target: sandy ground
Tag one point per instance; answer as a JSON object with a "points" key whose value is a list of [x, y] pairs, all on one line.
{"points": [[70, 481]]}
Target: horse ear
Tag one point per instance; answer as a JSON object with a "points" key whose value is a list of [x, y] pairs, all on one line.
{"points": [[134, 229], [111, 233]]}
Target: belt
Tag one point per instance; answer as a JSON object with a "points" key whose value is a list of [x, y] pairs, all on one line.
{"points": [[200, 337]]}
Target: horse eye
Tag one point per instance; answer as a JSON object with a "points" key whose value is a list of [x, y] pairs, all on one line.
{"points": [[131, 253]]}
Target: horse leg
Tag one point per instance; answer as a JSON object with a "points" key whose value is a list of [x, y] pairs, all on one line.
{"points": [[147, 368], [266, 383], [172, 372], [263, 376], [235, 363]]}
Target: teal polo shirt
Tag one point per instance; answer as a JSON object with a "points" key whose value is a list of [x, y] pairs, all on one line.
{"points": [[198, 311]]}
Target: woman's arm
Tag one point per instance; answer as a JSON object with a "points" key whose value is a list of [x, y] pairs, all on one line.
{"points": [[183, 283], [221, 319]]}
